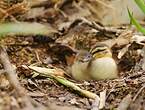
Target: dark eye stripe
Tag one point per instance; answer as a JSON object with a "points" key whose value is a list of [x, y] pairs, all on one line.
{"points": [[100, 47], [99, 50]]}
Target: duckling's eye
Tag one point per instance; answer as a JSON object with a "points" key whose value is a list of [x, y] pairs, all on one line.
{"points": [[87, 57]]}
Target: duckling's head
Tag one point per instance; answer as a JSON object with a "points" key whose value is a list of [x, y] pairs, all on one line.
{"points": [[83, 56], [100, 50]]}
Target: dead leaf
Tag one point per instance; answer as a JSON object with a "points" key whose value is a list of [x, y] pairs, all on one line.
{"points": [[138, 39], [102, 99], [95, 104], [124, 104], [48, 71], [123, 51]]}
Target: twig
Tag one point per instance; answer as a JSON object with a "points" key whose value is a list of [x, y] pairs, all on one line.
{"points": [[10, 72], [101, 28], [140, 90], [67, 83], [102, 99], [124, 104], [50, 74], [95, 104], [105, 29], [112, 90], [11, 75]]}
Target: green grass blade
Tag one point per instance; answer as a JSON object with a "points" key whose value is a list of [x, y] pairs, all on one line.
{"points": [[141, 4], [134, 22]]}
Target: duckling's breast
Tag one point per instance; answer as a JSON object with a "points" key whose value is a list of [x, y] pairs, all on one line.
{"points": [[103, 68], [79, 71]]}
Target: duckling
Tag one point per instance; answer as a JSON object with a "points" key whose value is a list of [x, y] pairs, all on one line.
{"points": [[97, 64], [102, 65]]}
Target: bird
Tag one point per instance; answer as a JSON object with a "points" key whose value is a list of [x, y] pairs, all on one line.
{"points": [[79, 68], [97, 64]]}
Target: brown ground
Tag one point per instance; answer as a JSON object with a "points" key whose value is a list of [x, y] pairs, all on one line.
{"points": [[36, 49]]}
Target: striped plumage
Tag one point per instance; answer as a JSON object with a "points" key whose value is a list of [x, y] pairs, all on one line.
{"points": [[100, 50]]}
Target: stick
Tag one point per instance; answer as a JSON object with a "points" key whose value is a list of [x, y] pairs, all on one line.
{"points": [[50, 74], [140, 90], [11, 75]]}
